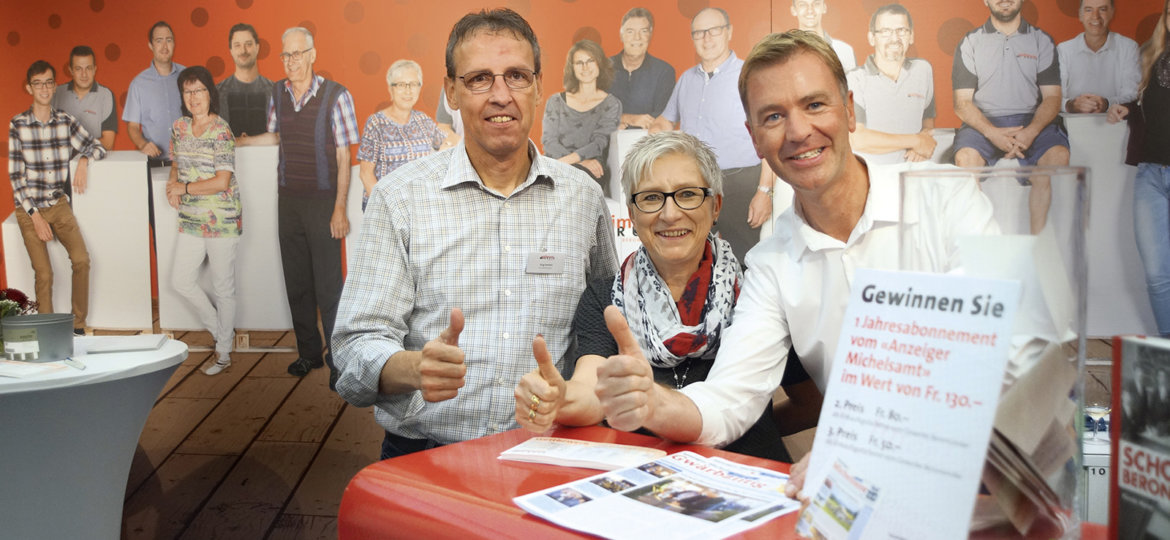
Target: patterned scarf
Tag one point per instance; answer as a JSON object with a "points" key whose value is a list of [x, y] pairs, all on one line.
{"points": [[669, 332]]}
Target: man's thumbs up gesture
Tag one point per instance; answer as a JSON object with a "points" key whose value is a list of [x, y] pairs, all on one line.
{"points": [[441, 367]]}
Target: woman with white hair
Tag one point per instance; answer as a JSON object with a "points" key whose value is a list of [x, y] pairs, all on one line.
{"points": [[397, 134], [677, 293]]}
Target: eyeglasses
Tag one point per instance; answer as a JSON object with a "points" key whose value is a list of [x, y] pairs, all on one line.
{"points": [[482, 81], [714, 31], [585, 63], [885, 33], [294, 56], [688, 198], [194, 92], [43, 84], [406, 85]]}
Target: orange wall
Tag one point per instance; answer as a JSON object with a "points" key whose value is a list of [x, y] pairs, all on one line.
{"points": [[358, 39]]}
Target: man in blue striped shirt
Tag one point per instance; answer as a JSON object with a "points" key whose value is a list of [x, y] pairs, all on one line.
{"points": [[41, 143]]}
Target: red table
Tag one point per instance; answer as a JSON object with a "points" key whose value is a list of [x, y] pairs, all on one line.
{"points": [[462, 491]]}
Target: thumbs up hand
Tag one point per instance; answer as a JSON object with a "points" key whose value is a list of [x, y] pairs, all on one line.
{"points": [[540, 392], [625, 381], [441, 367]]}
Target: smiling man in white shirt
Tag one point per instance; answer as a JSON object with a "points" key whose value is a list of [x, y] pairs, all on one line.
{"points": [[843, 217]]}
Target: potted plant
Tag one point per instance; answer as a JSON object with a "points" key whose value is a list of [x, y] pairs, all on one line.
{"points": [[13, 303]]}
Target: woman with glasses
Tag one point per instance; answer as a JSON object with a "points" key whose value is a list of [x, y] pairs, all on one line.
{"points": [[578, 121], [397, 134], [677, 293], [203, 188]]}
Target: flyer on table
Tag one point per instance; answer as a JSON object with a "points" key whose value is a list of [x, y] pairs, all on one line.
{"points": [[909, 406]]}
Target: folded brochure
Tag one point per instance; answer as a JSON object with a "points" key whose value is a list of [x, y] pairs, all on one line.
{"points": [[575, 453], [683, 495]]}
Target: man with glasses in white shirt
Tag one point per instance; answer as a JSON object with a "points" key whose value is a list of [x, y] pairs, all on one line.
{"points": [[471, 259]]}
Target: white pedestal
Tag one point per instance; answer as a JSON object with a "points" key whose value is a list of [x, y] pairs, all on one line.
{"points": [[1118, 303], [1095, 481], [112, 215]]}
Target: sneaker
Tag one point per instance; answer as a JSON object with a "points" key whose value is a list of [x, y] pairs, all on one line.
{"points": [[221, 364], [79, 331], [302, 366]]}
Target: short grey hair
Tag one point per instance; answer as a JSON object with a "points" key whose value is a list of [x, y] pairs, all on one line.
{"points": [[301, 30], [650, 148], [400, 65]]}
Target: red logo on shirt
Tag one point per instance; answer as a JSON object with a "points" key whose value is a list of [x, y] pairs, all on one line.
{"points": [[1029, 56]]}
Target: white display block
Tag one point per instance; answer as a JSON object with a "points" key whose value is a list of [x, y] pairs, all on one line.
{"points": [[1094, 483], [353, 211], [620, 142], [1118, 302], [112, 215]]}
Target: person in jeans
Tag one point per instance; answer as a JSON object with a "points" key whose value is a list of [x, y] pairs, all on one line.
{"points": [[1149, 120]]}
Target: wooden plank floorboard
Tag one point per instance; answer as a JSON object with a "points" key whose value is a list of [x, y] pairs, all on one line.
{"points": [[294, 527], [253, 493], [232, 426], [201, 386], [273, 364], [170, 422], [355, 442], [307, 414], [187, 368], [162, 508], [265, 338]]}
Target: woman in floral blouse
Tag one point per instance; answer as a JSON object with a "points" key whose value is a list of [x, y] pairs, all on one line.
{"points": [[397, 134], [203, 188]]}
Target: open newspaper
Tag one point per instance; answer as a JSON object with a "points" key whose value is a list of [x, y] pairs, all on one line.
{"points": [[682, 495]]}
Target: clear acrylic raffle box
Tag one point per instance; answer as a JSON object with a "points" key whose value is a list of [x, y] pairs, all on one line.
{"points": [[1025, 224]]}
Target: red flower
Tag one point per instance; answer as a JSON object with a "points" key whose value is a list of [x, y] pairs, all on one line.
{"points": [[15, 296]]}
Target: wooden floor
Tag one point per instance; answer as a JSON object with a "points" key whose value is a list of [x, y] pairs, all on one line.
{"points": [[249, 453], [256, 453]]}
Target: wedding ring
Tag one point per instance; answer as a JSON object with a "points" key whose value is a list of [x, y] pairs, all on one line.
{"points": [[535, 400], [531, 414]]}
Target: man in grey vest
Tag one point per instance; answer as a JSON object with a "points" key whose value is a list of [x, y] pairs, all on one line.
{"points": [[312, 119]]}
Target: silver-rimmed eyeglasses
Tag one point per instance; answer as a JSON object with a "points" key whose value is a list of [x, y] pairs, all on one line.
{"points": [[886, 33], [714, 31], [688, 198], [481, 81], [294, 56]]}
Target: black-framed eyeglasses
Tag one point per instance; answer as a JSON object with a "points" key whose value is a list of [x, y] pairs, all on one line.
{"points": [[194, 92], [714, 31], [37, 85], [295, 56], [885, 33], [415, 85], [481, 81], [688, 198]]}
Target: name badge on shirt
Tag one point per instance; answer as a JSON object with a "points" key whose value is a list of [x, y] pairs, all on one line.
{"points": [[545, 263]]}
